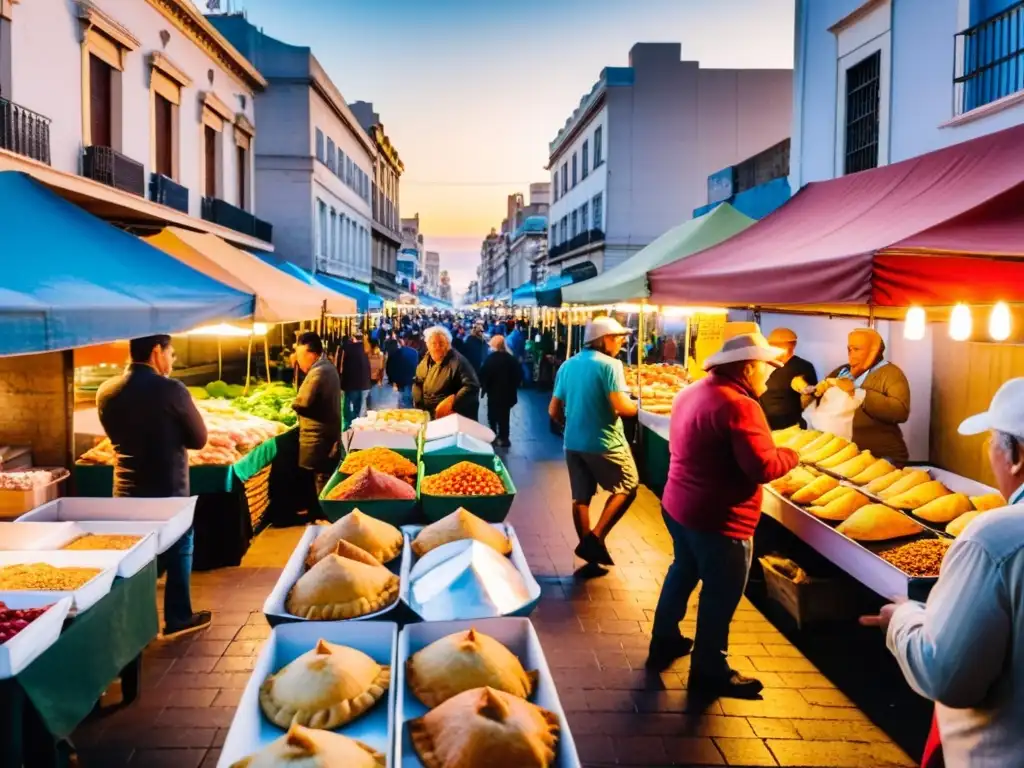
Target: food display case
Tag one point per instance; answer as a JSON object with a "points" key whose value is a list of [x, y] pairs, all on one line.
{"points": [[493, 509]]}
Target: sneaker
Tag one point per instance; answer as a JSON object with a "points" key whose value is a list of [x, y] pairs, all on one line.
{"points": [[603, 556], [589, 549], [663, 653], [199, 620], [731, 685]]}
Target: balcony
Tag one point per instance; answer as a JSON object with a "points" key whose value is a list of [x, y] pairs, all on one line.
{"points": [[24, 132], [590, 237], [167, 191], [220, 212], [989, 60], [110, 167]]}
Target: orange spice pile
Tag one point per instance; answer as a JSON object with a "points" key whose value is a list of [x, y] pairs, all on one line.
{"points": [[464, 479], [383, 460]]}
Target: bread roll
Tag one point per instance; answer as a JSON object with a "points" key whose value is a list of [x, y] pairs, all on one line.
{"points": [[909, 480], [877, 522], [819, 487], [876, 471], [840, 508], [918, 496], [943, 509], [987, 502]]}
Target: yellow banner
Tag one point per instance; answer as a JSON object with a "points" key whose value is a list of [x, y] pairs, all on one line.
{"points": [[707, 333]]}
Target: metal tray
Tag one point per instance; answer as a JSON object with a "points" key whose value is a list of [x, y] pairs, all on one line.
{"points": [[251, 731], [85, 596], [516, 634], [25, 647]]}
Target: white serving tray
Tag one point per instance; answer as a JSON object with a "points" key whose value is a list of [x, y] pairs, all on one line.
{"points": [[174, 515], [16, 654], [517, 557], [516, 634], [35, 536], [53, 537], [372, 438], [274, 606], [456, 424], [251, 731], [85, 596]]}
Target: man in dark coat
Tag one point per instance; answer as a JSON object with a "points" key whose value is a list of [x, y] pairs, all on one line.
{"points": [[152, 422], [318, 406], [782, 401], [445, 380], [401, 372], [355, 377], [474, 348], [499, 383]]}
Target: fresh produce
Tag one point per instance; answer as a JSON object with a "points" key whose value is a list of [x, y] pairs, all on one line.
{"points": [[93, 541], [371, 484], [659, 384], [382, 459], [43, 576], [464, 479], [14, 620], [272, 402]]}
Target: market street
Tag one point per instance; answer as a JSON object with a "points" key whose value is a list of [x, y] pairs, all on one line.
{"points": [[595, 635]]}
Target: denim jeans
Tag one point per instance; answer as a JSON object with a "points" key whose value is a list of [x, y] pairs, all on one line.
{"points": [[353, 407], [178, 590], [405, 396], [722, 564]]}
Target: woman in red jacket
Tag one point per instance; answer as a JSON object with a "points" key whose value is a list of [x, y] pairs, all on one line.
{"points": [[721, 453]]}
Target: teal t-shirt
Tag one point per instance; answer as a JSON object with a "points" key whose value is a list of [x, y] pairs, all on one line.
{"points": [[584, 383]]}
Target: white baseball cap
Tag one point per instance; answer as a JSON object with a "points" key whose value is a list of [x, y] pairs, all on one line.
{"points": [[746, 346], [1005, 413], [603, 326]]}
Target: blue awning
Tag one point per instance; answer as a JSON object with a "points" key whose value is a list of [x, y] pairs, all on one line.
{"points": [[365, 301], [72, 280], [432, 301], [546, 294]]}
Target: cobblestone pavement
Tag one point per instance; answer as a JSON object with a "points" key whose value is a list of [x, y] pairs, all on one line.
{"points": [[594, 633]]}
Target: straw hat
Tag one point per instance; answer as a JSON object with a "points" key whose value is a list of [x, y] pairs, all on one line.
{"points": [[746, 346]]}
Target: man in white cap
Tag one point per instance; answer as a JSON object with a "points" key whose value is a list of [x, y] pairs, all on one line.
{"points": [[782, 401], [720, 453], [962, 649], [589, 400]]}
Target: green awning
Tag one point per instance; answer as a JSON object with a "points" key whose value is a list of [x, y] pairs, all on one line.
{"points": [[628, 280]]}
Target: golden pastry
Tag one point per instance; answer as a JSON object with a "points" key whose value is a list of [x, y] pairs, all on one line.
{"points": [[943, 509], [486, 728], [313, 748], [918, 496], [885, 481], [956, 527], [911, 478], [380, 539], [855, 465], [782, 436], [823, 439], [460, 524], [836, 493], [818, 487], [793, 480], [877, 522], [352, 552], [988, 501], [802, 439], [466, 660], [340, 588], [840, 508], [324, 688], [834, 446], [849, 452], [876, 471]]}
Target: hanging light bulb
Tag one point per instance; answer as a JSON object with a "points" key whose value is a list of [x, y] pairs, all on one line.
{"points": [[914, 327], [999, 322], [960, 323]]}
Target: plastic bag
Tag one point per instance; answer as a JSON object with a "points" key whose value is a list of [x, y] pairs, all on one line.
{"points": [[834, 412]]}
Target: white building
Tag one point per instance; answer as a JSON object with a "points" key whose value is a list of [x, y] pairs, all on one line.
{"points": [[141, 112], [432, 273], [314, 161], [633, 159], [528, 251], [410, 256]]}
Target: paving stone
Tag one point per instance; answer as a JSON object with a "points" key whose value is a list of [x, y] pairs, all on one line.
{"points": [[745, 752], [211, 759], [168, 758], [692, 751], [830, 730], [826, 697], [777, 728], [838, 754], [639, 750], [776, 664]]}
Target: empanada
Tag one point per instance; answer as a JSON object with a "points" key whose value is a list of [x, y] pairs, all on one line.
{"points": [[849, 452], [460, 524], [466, 660], [380, 539], [339, 588], [911, 478], [855, 465], [836, 493], [841, 508], [834, 446], [956, 527], [823, 439], [782, 436], [877, 522], [988, 501], [885, 481], [485, 728], [802, 439], [876, 471], [312, 748], [793, 481], [324, 688], [943, 509], [918, 496], [818, 487]]}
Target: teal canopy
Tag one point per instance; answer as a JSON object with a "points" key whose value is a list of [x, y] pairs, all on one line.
{"points": [[364, 299], [72, 280]]}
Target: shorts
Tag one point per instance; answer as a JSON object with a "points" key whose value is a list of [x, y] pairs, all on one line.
{"points": [[614, 471]]}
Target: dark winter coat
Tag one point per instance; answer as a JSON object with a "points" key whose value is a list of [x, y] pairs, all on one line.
{"points": [[500, 378]]}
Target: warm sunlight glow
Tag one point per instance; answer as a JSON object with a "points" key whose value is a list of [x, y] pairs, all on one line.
{"points": [[914, 327], [960, 323], [999, 322]]}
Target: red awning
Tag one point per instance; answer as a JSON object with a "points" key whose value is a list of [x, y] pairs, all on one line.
{"points": [[944, 227]]}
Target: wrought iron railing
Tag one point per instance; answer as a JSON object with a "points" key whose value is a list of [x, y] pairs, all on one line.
{"points": [[110, 167], [582, 239], [24, 131], [167, 191], [227, 215], [989, 60]]}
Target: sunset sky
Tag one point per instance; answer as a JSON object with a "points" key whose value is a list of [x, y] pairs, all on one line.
{"points": [[471, 91]]}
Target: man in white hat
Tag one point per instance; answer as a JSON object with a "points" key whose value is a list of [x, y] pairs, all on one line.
{"points": [[721, 452], [962, 649], [589, 400]]}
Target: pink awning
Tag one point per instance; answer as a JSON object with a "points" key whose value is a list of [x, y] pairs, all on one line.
{"points": [[943, 227]]}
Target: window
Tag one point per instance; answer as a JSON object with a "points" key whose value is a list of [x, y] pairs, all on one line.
{"points": [[553, 235], [243, 174], [565, 178], [597, 204], [574, 169], [163, 119], [210, 161], [340, 170], [598, 147], [575, 223], [321, 212], [348, 171], [106, 48], [862, 114], [554, 185], [101, 102], [565, 228], [342, 236], [320, 146], [332, 236], [585, 158], [330, 154], [584, 218]]}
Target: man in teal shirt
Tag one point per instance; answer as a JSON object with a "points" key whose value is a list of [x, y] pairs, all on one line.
{"points": [[589, 401]]}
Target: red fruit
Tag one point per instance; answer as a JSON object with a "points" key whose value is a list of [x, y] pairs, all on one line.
{"points": [[19, 624]]}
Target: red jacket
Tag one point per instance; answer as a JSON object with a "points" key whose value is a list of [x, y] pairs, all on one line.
{"points": [[721, 453]]}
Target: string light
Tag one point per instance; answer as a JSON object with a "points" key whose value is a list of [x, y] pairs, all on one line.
{"points": [[960, 323], [914, 327], [999, 322]]}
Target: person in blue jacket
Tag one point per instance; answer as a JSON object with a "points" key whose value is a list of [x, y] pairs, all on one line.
{"points": [[401, 371]]}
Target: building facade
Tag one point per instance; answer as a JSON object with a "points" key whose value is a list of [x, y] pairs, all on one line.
{"points": [[141, 112], [314, 162], [633, 159], [410, 255], [528, 252], [432, 273], [387, 172]]}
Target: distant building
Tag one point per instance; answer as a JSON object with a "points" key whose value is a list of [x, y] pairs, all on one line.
{"points": [[410, 255], [445, 288], [507, 258], [314, 161], [432, 273], [633, 159], [528, 251]]}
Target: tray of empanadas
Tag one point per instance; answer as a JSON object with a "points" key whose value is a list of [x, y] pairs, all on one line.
{"points": [[349, 570], [478, 693], [321, 693]]}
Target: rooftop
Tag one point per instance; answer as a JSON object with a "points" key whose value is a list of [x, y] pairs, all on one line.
{"points": [[611, 77]]}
